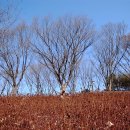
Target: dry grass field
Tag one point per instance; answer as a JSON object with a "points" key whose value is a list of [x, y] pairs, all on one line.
{"points": [[91, 111]]}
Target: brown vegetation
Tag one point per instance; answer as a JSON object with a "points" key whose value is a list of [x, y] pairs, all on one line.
{"points": [[91, 111]]}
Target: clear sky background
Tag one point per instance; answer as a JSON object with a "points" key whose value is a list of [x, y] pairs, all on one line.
{"points": [[100, 11]]}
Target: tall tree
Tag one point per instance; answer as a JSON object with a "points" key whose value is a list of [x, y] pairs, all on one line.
{"points": [[125, 64], [14, 51], [61, 45], [8, 16], [109, 52]]}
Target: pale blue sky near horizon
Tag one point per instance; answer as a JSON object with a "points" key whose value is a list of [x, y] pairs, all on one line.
{"points": [[100, 11]]}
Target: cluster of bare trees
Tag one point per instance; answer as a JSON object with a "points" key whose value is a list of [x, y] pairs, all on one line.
{"points": [[47, 55], [110, 51]]}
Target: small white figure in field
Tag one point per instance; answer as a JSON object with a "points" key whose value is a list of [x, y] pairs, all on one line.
{"points": [[109, 124], [62, 97]]}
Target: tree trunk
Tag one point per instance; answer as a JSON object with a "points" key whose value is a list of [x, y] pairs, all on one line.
{"points": [[14, 90], [63, 89], [110, 85]]}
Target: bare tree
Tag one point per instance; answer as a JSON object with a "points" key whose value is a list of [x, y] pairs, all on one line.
{"points": [[35, 77], [109, 52], [125, 63], [49, 82], [39, 80], [8, 17], [87, 77], [14, 51], [61, 45]]}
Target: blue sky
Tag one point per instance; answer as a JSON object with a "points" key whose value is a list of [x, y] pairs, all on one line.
{"points": [[100, 11]]}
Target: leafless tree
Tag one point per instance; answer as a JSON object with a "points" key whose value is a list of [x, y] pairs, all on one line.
{"points": [[34, 78], [14, 51], [109, 52], [125, 63], [39, 80], [8, 16], [61, 45], [49, 83], [87, 76]]}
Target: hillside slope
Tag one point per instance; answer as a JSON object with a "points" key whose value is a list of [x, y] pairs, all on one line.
{"points": [[92, 111]]}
